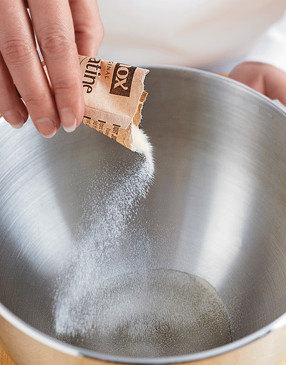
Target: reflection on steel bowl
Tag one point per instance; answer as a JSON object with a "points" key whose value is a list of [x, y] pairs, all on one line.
{"points": [[215, 211]]}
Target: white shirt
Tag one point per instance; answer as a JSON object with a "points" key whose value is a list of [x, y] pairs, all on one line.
{"points": [[210, 34]]}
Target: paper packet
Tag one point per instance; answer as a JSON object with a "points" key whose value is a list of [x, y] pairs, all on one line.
{"points": [[114, 95]]}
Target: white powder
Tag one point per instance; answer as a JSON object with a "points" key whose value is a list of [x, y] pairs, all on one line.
{"points": [[110, 301], [141, 144], [163, 313], [101, 241]]}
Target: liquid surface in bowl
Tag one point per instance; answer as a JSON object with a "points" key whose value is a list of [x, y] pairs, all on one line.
{"points": [[154, 313]]}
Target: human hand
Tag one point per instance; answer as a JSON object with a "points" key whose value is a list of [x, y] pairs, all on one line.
{"points": [[262, 77], [64, 29]]}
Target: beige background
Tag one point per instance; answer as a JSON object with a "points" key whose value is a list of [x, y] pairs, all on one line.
{"points": [[6, 360]]}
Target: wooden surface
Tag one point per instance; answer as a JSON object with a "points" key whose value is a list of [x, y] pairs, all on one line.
{"points": [[6, 360]]}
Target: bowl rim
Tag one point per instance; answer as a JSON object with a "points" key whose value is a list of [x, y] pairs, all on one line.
{"points": [[80, 352], [76, 351]]}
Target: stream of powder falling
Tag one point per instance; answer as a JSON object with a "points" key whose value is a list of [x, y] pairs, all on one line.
{"points": [[98, 245]]}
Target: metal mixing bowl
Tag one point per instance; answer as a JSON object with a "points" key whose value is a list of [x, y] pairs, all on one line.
{"points": [[216, 209]]}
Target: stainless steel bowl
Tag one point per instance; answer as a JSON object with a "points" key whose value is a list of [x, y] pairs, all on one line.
{"points": [[216, 209]]}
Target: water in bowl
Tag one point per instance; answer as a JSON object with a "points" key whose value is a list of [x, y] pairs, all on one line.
{"points": [[152, 314]]}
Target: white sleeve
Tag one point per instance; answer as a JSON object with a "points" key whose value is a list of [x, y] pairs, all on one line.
{"points": [[271, 47]]}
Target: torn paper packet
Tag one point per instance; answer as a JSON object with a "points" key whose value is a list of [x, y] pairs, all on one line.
{"points": [[114, 95]]}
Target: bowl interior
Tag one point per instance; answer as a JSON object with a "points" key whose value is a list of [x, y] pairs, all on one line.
{"points": [[216, 208]]}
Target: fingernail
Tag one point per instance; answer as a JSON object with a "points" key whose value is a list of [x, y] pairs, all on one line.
{"points": [[46, 127], [68, 119], [14, 118]]}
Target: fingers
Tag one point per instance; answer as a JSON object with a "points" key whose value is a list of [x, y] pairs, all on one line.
{"points": [[20, 56], [264, 78], [275, 84], [21, 66], [249, 74], [55, 34], [88, 26], [11, 106]]}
